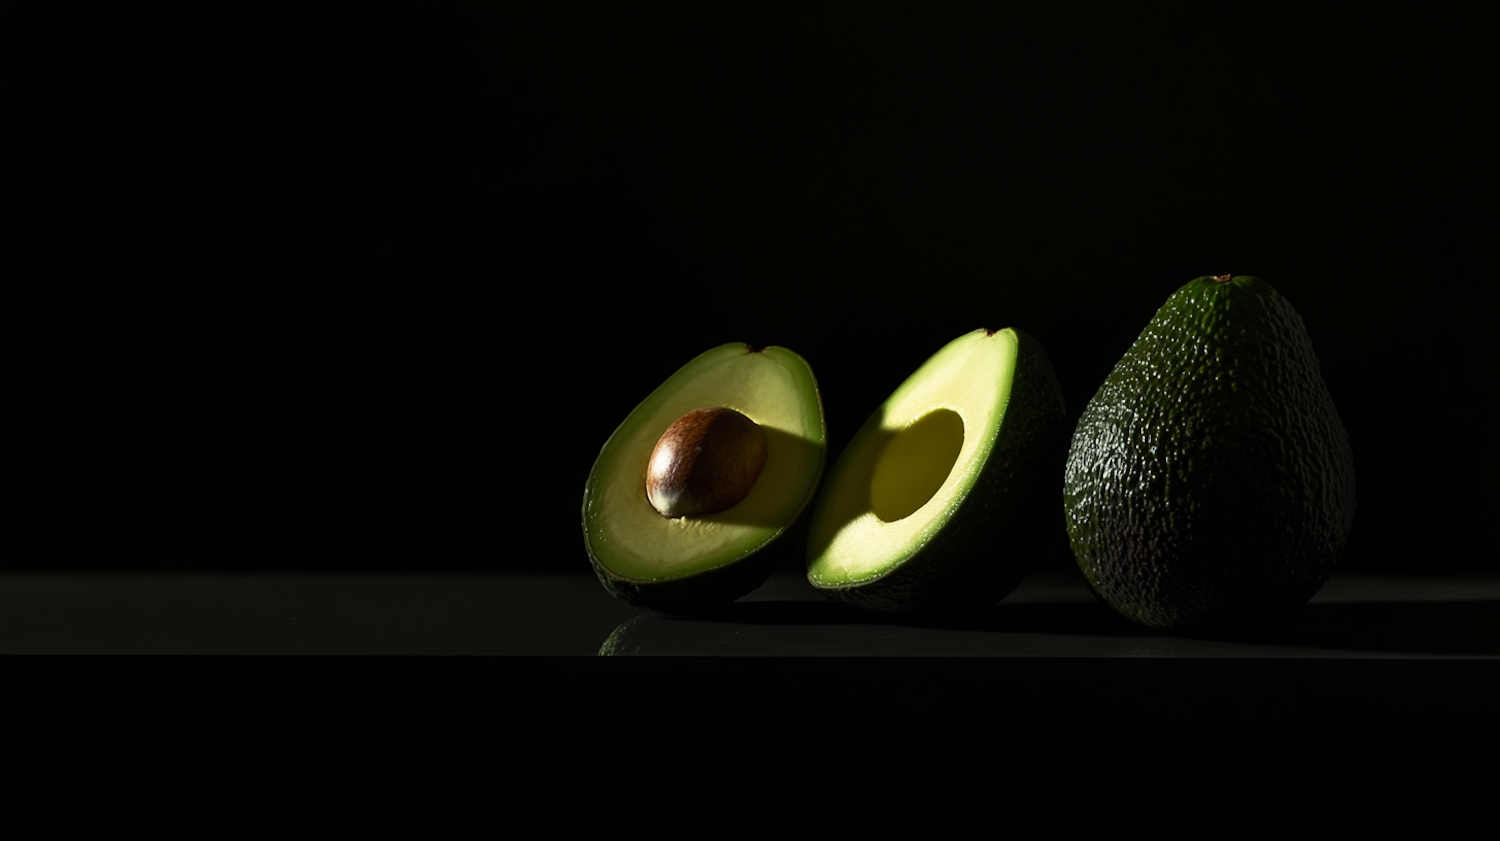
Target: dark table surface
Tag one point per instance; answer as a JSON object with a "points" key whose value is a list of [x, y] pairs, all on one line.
{"points": [[1049, 616], [1374, 705]]}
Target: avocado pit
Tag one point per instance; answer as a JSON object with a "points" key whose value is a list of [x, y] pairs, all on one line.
{"points": [[705, 462]]}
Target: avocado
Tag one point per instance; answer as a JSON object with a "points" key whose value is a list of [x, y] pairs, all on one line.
{"points": [[694, 491], [944, 498], [1210, 484]]}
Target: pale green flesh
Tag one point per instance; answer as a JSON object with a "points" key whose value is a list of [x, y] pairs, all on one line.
{"points": [[893, 488], [772, 387]]}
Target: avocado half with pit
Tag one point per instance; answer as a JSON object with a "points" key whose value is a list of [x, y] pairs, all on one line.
{"points": [[946, 497], [691, 500]]}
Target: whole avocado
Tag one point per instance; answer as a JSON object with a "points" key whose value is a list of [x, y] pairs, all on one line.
{"points": [[1210, 484]]}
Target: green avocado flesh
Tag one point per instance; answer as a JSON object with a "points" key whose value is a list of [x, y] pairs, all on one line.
{"points": [[666, 563], [941, 499], [1210, 482]]}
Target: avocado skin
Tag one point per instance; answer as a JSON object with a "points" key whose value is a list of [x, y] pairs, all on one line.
{"points": [[712, 588], [1009, 507], [1210, 484]]}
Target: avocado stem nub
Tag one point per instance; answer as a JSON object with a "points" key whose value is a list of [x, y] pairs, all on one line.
{"points": [[1222, 278], [704, 463]]}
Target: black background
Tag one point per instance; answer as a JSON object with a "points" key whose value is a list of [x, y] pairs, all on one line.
{"points": [[346, 289]]}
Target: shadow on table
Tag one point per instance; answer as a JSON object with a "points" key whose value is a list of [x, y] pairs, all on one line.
{"points": [[1429, 628]]}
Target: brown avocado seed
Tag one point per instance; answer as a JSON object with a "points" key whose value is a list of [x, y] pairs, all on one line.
{"points": [[704, 463]]}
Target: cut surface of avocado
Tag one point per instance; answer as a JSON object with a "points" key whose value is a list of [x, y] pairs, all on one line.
{"points": [[653, 560], [908, 516]]}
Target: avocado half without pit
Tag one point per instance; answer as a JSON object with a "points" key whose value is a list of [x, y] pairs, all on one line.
{"points": [[692, 501], [946, 496]]}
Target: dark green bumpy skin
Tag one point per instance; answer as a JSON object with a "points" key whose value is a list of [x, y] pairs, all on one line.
{"points": [[1005, 524], [1210, 484]]}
